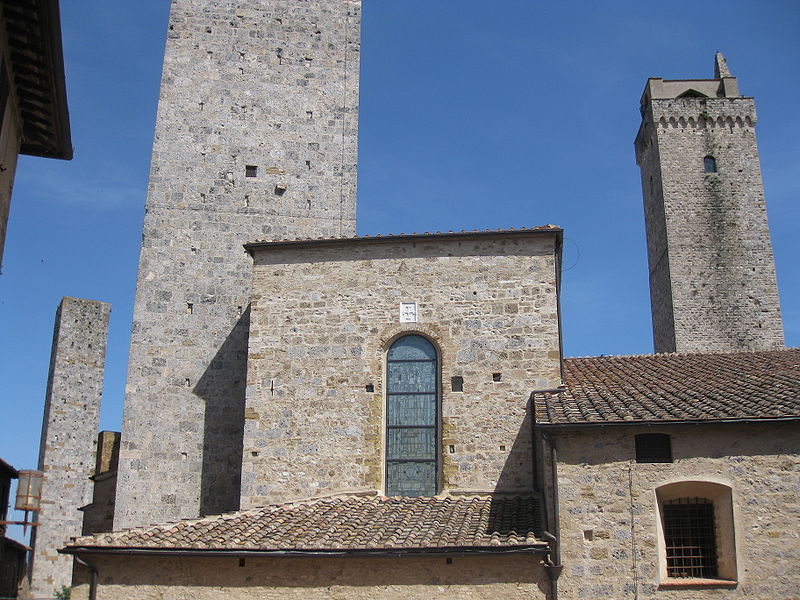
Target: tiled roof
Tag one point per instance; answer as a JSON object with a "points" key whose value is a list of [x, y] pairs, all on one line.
{"points": [[675, 387], [403, 236], [344, 524]]}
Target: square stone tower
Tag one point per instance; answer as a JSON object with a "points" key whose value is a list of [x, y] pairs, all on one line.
{"points": [[712, 273], [256, 138], [69, 436]]}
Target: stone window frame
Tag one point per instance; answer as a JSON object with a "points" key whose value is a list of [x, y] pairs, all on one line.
{"points": [[386, 342], [721, 495]]}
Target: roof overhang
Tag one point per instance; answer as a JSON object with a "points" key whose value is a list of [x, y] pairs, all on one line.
{"points": [[593, 425], [36, 69], [540, 548]]}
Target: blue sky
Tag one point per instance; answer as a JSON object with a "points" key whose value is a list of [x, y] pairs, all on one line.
{"points": [[473, 115]]}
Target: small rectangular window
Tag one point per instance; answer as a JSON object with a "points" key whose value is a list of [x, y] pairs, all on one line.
{"points": [[250, 171], [653, 448], [457, 383]]}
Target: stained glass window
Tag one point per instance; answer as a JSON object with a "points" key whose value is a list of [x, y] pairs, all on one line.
{"points": [[412, 416]]}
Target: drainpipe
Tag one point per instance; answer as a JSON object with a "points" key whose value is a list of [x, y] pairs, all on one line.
{"points": [[553, 566], [92, 580]]}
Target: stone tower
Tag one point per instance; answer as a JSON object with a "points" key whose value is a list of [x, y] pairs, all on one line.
{"points": [[256, 138], [69, 436], [712, 273]]}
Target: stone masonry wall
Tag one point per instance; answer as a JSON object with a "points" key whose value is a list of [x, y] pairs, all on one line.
{"points": [[69, 436], [98, 516], [323, 318], [609, 513], [256, 137], [712, 269], [517, 577]]}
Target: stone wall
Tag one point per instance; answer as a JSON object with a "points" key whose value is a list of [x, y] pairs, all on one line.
{"points": [[69, 434], [323, 317], [98, 517], [465, 578], [712, 273], [256, 137], [609, 514]]}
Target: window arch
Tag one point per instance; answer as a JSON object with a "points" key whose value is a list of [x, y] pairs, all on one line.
{"points": [[710, 164], [412, 417], [696, 532]]}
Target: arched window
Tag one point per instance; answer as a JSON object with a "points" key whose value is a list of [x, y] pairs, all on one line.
{"points": [[412, 417], [710, 164], [696, 532]]}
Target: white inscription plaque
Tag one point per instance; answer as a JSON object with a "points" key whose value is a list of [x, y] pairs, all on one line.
{"points": [[408, 312]]}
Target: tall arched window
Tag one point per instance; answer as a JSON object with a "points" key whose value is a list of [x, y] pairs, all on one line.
{"points": [[412, 417], [710, 164]]}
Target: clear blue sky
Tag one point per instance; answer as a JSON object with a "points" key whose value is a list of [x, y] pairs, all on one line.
{"points": [[473, 115]]}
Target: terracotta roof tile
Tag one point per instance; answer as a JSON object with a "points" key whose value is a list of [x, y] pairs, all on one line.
{"points": [[344, 524], [675, 387]]}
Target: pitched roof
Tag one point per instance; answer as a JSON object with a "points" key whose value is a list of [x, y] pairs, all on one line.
{"points": [[343, 525], [393, 237], [675, 387]]}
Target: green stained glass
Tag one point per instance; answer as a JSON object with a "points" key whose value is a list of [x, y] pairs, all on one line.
{"points": [[412, 417]]}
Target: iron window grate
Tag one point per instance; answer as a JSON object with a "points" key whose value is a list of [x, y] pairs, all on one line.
{"points": [[690, 538]]}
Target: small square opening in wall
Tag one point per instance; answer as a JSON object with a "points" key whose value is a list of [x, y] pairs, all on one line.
{"points": [[653, 448], [457, 383], [369, 388], [251, 171], [497, 376]]}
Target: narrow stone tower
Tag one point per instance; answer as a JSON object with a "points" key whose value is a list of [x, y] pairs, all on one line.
{"points": [[256, 138], [69, 436], [712, 273]]}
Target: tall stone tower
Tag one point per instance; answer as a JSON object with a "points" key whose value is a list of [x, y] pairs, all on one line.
{"points": [[69, 436], [256, 138], [712, 273]]}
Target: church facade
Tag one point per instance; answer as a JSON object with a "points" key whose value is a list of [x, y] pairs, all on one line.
{"points": [[314, 414]]}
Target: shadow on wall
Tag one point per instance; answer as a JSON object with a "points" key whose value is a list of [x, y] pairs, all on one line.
{"points": [[430, 577], [516, 478], [222, 387]]}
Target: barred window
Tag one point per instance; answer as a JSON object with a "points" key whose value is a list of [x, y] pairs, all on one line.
{"points": [[696, 533], [412, 417], [690, 538]]}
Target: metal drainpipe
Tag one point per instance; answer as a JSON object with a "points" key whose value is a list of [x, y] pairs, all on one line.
{"points": [[554, 567], [92, 580]]}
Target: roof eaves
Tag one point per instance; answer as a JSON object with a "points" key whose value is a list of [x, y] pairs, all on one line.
{"points": [[542, 547], [388, 238], [659, 423]]}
